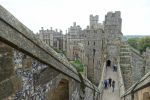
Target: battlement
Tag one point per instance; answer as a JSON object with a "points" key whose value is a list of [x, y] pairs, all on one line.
{"points": [[113, 23], [94, 21], [116, 14], [94, 18]]}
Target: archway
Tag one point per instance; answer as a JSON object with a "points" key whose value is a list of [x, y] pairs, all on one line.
{"points": [[108, 63], [61, 92]]}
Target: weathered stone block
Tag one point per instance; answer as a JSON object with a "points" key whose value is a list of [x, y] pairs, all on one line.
{"points": [[6, 61]]}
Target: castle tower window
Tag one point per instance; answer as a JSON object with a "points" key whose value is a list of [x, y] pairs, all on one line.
{"points": [[102, 44], [88, 43], [94, 43], [94, 52]]}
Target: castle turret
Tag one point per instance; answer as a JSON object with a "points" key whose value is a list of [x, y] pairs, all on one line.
{"points": [[93, 21], [112, 28], [112, 24]]}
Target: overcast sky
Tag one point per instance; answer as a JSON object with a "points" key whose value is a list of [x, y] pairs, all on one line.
{"points": [[62, 13]]}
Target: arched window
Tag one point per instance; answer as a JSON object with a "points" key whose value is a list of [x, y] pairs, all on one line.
{"points": [[94, 42], [94, 52]]}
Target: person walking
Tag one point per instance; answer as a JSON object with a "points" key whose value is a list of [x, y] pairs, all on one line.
{"points": [[115, 67], [113, 85], [110, 80], [105, 84]]}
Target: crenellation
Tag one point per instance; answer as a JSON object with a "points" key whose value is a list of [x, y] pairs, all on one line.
{"points": [[53, 38]]}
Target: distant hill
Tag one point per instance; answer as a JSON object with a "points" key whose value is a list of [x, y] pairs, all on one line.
{"points": [[126, 37]]}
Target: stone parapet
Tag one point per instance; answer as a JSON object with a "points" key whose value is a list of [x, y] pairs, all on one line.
{"points": [[125, 65], [139, 89], [121, 82]]}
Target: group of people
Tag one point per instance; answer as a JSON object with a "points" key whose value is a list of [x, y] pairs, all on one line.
{"points": [[109, 83]]}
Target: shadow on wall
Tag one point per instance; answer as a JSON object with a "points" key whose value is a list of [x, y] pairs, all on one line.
{"points": [[62, 91]]}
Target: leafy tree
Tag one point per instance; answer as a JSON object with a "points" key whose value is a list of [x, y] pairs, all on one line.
{"points": [[144, 43], [140, 43], [133, 42]]}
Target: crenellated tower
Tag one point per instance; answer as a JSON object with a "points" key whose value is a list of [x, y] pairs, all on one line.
{"points": [[112, 28]]}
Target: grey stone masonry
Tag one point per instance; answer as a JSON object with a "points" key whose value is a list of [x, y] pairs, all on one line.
{"points": [[93, 45], [74, 36], [46, 36], [147, 58], [138, 90], [138, 65], [112, 29], [112, 25], [93, 21], [125, 65]]}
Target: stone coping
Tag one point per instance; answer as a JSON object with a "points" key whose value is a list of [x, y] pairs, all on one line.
{"points": [[121, 83], [90, 85], [100, 87]]}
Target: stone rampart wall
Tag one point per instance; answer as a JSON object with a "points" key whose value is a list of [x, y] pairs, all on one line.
{"points": [[138, 64], [139, 90]]}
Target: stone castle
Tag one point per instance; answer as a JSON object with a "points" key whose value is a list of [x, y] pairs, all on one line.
{"points": [[103, 42], [32, 70], [98, 40]]}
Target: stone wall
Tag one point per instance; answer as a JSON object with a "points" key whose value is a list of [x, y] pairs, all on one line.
{"points": [[74, 36], [9, 82], [39, 81], [94, 54], [121, 82], [6, 61], [125, 65], [112, 29], [139, 90], [112, 26], [46, 36], [138, 64], [147, 58], [143, 94]]}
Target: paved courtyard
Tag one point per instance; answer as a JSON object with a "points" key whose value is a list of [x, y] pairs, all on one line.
{"points": [[108, 94]]}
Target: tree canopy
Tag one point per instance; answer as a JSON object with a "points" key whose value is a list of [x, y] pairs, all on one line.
{"points": [[140, 43]]}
